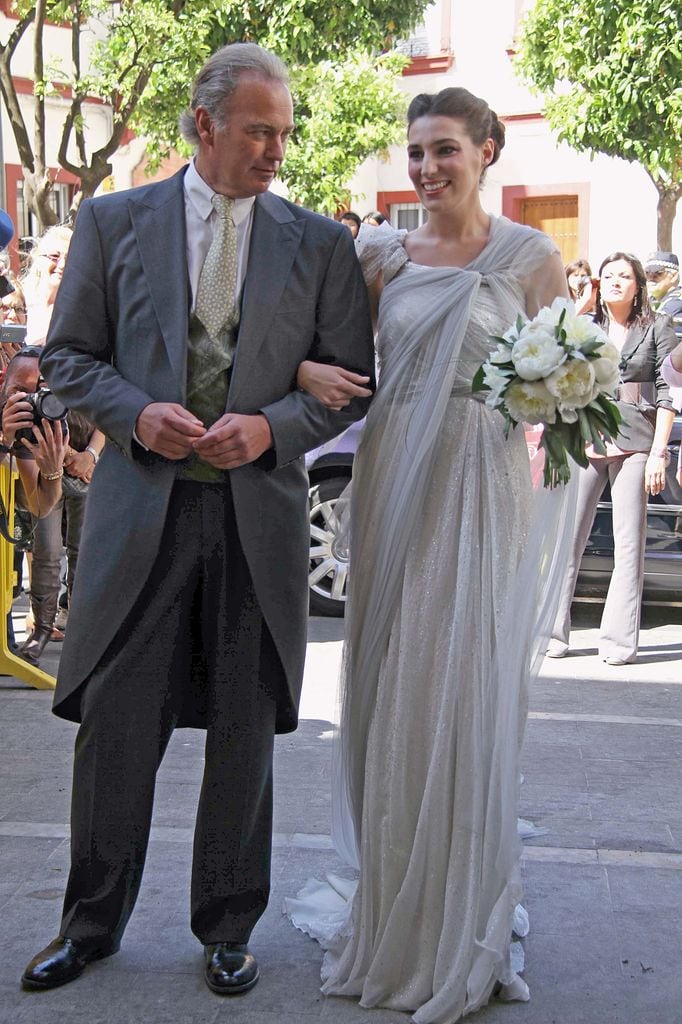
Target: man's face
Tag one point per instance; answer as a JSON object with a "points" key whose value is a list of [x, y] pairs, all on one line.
{"points": [[243, 158], [658, 283], [23, 376], [351, 225]]}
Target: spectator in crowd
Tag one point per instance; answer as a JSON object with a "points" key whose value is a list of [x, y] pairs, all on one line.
{"points": [[42, 278], [662, 271], [13, 307], [42, 281], [13, 313], [581, 285], [634, 465], [39, 462], [375, 218], [352, 222]]}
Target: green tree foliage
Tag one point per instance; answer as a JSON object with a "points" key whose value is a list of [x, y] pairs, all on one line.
{"points": [[147, 52], [345, 113], [611, 72]]}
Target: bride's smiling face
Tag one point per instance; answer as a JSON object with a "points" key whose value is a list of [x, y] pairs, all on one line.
{"points": [[444, 164]]}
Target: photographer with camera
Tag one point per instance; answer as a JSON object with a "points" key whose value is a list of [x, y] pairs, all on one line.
{"points": [[37, 438], [39, 452], [62, 527], [582, 286]]}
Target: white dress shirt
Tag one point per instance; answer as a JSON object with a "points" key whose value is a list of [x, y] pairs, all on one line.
{"points": [[201, 219]]}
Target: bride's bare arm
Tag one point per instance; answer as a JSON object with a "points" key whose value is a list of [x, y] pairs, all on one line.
{"points": [[545, 283], [334, 386]]}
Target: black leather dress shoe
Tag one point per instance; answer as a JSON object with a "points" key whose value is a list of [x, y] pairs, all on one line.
{"points": [[60, 962], [230, 968]]}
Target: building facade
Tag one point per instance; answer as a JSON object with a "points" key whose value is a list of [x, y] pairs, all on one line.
{"points": [[590, 207]]}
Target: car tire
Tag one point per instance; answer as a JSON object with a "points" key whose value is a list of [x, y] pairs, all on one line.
{"points": [[328, 569]]}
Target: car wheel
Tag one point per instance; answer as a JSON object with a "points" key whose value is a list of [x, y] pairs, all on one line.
{"points": [[328, 572]]}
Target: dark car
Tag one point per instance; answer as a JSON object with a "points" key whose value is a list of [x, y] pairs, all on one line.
{"points": [[330, 469]]}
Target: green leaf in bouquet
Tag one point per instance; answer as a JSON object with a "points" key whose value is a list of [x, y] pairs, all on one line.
{"points": [[478, 383], [598, 443], [520, 323], [589, 348], [585, 426], [501, 341]]}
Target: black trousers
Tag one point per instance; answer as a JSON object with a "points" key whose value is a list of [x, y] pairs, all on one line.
{"points": [[195, 646]]}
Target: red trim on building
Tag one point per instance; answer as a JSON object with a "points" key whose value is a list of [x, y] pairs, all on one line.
{"points": [[535, 115], [513, 196], [386, 199], [24, 87], [437, 65]]}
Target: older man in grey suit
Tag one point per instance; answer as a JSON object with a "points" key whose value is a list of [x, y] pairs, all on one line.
{"points": [[184, 312]]}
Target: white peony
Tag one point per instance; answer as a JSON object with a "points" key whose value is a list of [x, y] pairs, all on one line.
{"points": [[581, 329], [502, 354], [497, 382], [568, 413], [549, 316], [573, 384], [607, 367], [536, 353], [530, 401]]}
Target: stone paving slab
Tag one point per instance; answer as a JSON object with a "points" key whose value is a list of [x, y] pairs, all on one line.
{"points": [[603, 885]]}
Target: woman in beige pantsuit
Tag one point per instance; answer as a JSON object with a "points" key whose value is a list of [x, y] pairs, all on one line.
{"points": [[634, 465]]}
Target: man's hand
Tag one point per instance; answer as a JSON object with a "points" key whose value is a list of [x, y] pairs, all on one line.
{"points": [[234, 440], [168, 429]]}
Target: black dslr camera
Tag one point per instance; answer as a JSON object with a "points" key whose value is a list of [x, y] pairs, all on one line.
{"points": [[45, 406]]}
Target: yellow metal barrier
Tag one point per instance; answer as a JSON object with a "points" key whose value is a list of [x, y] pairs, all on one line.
{"points": [[10, 664]]}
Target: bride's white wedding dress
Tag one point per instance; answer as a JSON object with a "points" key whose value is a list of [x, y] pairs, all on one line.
{"points": [[453, 553]]}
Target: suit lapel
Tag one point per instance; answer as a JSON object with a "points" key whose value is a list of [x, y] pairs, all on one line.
{"points": [[275, 238], [633, 340], [160, 228]]}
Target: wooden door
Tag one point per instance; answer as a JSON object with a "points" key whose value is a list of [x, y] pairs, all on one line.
{"points": [[557, 216]]}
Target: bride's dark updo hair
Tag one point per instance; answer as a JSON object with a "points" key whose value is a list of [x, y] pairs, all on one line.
{"points": [[481, 122]]}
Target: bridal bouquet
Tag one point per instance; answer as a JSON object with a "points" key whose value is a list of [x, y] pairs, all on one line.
{"points": [[558, 370]]}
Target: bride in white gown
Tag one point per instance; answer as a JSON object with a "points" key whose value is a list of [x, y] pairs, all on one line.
{"points": [[453, 557]]}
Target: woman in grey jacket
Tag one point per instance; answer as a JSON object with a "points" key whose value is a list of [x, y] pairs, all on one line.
{"points": [[634, 465]]}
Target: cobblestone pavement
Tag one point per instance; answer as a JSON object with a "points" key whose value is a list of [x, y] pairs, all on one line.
{"points": [[603, 886]]}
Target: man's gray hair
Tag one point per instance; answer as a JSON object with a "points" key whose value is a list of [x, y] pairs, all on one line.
{"points": [[219, 77]]}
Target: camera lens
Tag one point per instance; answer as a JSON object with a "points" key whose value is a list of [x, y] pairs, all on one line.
{"points": [[48, 406]]}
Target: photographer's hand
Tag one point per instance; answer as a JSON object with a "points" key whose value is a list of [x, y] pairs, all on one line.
{"points": [[49, 449], [42, 475], [17, 415]]}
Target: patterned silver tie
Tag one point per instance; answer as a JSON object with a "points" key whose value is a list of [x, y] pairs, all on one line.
{"points": [[216, 293]]}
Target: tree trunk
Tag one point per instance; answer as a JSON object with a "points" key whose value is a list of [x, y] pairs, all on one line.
{"points": [[37, 189], [667, 204], [90, 180]]}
